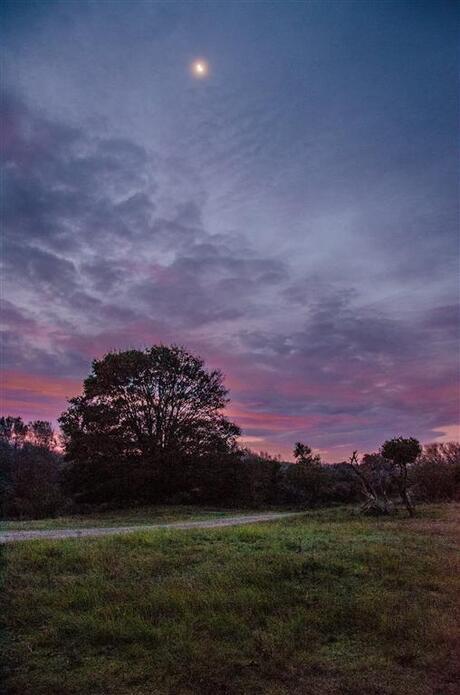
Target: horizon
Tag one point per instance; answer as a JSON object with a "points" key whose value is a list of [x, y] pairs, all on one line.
{"points": [[273, 187]]}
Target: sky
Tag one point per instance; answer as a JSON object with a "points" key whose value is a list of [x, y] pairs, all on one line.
{"points": [[291, 216]]}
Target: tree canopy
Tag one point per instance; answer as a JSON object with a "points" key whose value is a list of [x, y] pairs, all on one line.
{"points": [[157, 401], [401, 451], [304, 454]]}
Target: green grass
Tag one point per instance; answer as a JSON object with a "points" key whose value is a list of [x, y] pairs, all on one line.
{"points": [[125, 517], [3, 631], [327, 603]]}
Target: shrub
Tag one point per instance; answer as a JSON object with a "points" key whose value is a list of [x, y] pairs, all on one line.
{"points": [[436, 473], [31, 485]]}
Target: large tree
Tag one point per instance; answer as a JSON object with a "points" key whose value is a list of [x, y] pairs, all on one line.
{"points": [[154, 405]]}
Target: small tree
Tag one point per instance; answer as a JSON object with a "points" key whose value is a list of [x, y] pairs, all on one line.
{"points": [[402, 453], [307, 476], [304, 454], [13, 431], [372, 487], [41, 433]]}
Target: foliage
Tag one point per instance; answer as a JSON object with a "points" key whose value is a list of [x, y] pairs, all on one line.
{"points": [[304, 454], [30, 469], [378, 484], [111, 472], [308, 481], [41, 433], [35, 483], [383, 474], [30, 481], [402, 453], [141, 413], [436, 474], [13, 431]]}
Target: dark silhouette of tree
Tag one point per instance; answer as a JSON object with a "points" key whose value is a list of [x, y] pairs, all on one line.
{"points": [[374, 477], [402, 453], [13, 430], [379, 471], [34, 489], [152, 407], [41, 433], [30, 469], [304, 454], [436, 473], [306, 476]]}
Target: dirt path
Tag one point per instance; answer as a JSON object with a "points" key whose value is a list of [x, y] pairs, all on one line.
{"points": [[56, 534]]}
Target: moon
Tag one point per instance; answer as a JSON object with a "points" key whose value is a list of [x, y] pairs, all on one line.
{"points": [[200, 68]]}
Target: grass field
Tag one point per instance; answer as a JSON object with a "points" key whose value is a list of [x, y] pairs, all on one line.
{"points": [[125, 517], [327, 603]]}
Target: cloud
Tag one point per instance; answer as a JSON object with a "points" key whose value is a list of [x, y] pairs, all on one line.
{"points": [[99, 255]]}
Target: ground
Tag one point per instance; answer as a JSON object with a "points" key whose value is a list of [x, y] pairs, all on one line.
{"points": [[124, 517], [210, 521], [327, 603]]}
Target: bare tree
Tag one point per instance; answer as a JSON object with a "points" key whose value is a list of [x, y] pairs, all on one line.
{"points": [[373, 485]]}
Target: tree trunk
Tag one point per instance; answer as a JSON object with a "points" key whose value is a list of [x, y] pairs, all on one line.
{"points": [[405, 496], [373, 504], [408, 503]]}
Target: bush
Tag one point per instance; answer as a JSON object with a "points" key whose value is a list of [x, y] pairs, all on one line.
{"points": [[30, 483], [436, 474]]}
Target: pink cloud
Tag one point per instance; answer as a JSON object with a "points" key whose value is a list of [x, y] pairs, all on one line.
{"points": [[34, 396]]}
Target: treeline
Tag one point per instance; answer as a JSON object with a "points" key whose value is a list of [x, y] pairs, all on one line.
{"points": [[37, 481], [149, 428], [239, 479], [31, 469]]}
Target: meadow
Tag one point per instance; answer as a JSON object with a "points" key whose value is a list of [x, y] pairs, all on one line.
{"points": [[327, 603]]}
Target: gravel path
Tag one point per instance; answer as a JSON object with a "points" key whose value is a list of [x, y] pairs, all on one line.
{"points": [[56, 534]]}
